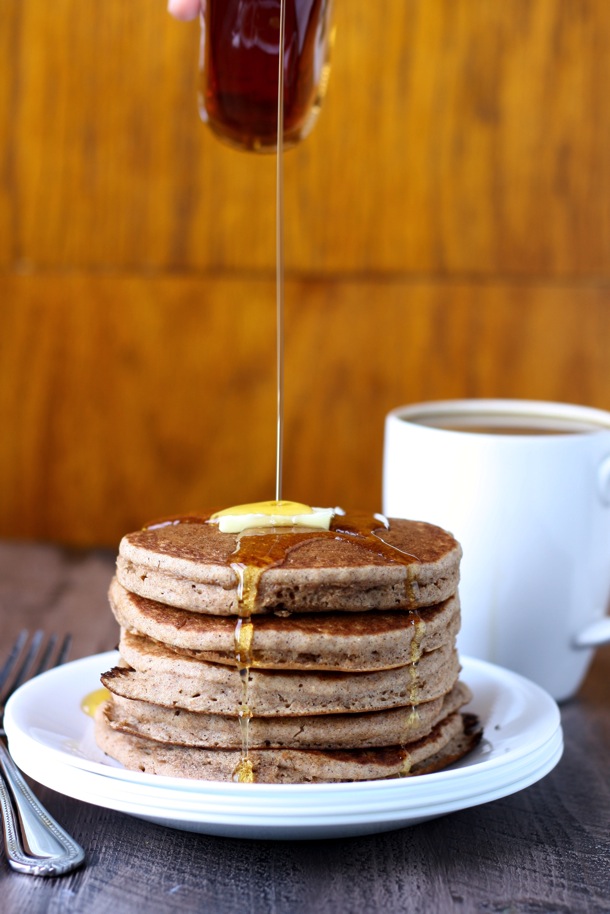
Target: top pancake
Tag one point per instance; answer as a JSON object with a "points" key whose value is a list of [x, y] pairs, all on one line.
{"points": [[191, 565]]}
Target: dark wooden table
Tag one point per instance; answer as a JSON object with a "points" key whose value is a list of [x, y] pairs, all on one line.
{"points": [[546, 849]]}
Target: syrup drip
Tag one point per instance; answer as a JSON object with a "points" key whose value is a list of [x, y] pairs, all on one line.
{"points": [[248, 577], [243, 637], [419, 630], [362, 528], [279, 259], [407, 764]]}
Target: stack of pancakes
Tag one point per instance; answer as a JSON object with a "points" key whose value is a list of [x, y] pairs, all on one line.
{"points": [[284, 655]]}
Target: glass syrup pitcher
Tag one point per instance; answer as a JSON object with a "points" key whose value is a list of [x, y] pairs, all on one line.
{"points": [[240, 41]]}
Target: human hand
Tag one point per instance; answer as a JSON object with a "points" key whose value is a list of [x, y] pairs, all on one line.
{"points": [[184, 9]]}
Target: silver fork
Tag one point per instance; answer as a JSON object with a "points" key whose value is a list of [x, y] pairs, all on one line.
{"points": [[35, 843]]}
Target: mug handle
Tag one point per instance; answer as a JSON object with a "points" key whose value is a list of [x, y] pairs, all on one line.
{"points": [[594, 635]]}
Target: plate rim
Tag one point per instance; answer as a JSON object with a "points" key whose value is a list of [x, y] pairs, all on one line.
{"points": [[303, 818]]}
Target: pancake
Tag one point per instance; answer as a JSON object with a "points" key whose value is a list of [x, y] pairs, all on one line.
{"points": [[330, 731], [448, 741], [189, 564], [324, 641], [175, 679]]}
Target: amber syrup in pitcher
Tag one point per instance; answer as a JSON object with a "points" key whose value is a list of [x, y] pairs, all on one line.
{"points": [[240, 63]]}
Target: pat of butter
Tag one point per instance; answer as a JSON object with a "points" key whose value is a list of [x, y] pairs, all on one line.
{"points": [[272, 514]]}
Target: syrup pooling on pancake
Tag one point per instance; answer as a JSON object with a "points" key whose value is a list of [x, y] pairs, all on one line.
{"points": [[276, 543]]}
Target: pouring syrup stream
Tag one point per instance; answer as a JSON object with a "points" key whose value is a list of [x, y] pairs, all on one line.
{"points": [[248, 576], [279, 256]]}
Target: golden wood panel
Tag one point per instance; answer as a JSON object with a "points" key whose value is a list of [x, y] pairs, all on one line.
{"points": [[459, 136], [127, 398], [7, 147]]}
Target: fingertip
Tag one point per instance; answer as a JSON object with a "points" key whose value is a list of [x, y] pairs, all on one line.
{"points": [[184, 9]]}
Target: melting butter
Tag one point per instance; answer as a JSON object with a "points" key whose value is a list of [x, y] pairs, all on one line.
{"points": [[272, 514]]}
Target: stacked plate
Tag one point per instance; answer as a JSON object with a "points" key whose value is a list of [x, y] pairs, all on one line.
{"points": [[51, 739]]}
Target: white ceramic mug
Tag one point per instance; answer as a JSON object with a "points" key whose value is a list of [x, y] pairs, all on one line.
{"points": [[526, 491]]}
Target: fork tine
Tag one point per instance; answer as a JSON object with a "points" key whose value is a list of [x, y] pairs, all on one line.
{"points": [[23, 671], [32, 662], [12, 658], [64, 650], [46, 655]]}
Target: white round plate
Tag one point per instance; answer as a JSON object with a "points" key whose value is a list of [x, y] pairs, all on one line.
{"points": [[51, 739]]}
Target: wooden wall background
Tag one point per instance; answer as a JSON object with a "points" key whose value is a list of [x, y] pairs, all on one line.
{"points": [[448, 235]]}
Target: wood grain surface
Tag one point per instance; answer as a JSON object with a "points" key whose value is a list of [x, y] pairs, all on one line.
{"points": [[448, 225], [545, 850], [132, 398]]}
